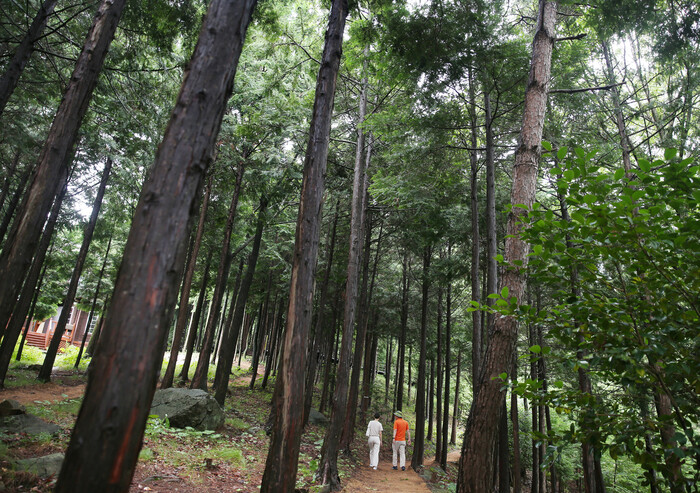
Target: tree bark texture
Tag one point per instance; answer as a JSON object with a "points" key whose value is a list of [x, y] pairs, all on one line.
{"points": [[491, 234], [31, 284], [283, 453], [54, 161], [105, 443], [476, 467], [199, 381], [9, 80], [52, 351], [419, 440], [183, 312]]}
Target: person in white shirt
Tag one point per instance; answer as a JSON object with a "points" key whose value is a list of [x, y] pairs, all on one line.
{"points": [[374, 432]]}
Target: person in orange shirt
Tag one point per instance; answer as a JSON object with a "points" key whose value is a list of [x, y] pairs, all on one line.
{"points": [[402, 437]]}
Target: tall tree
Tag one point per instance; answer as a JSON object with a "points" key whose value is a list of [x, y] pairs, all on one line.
{"points": [[105, 443], [56, 155], [200, 375], [30, 285], [14, 69], [281, 465], [52, 351], [419, 439], [476, 464], [183, 312]]}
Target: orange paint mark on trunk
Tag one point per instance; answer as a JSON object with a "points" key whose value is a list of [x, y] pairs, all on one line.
{"points": [[119, 463]]}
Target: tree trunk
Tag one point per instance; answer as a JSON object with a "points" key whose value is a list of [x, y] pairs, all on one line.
{"points": [[16, 196], [223, 369], [387, 368], [263, 328], [491, 236], [183, 312], [107, 436], [475, 466], [455, 412], [279, 311], [31, 285], [477, 334], [503, 452], [419, 440], [440, 351], [363, 318], [52, 351], [360, 340], [517, 487], [321, 330], [283, 453], [9, 80], [328, 465], [535, 488], [619, 117], [9, 174], [448, 369], [93, 305], [54, 162], [194, 323], [401, 365], [199, 381]]}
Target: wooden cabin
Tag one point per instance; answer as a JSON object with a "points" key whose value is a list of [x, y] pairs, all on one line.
{"points": [[41, 332]]}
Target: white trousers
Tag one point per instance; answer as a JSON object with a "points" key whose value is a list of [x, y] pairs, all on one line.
{"points": [[400, 449], [374, 443]]}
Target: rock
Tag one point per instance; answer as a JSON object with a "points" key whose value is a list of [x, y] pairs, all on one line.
{"points": [[27, 423], [49, 465], [10, 407], [188, 407], [316, 418]]}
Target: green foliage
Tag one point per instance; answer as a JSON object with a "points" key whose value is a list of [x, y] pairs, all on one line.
{"points": [[632, 243]]}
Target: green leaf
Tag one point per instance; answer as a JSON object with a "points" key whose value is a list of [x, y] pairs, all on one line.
{"points": [[569, 174], [619, 174], [504, 292], [546, 145], [670, 154], [644, 165], [537, 349], [580, 152], [561, 153]]}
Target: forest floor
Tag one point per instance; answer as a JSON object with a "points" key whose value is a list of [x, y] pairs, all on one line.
{"points": [[188, 461]]}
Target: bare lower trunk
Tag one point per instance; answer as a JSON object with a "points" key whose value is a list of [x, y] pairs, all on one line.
{"points": [[283, 453], [105, 442], [419, 440], [476, 464]]}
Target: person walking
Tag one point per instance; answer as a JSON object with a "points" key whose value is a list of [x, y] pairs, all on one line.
{"points": [[374, 440], [402, 437]]}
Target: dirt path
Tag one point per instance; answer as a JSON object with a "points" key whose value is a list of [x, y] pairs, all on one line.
{"points": [[43, 392], [385, 479]]}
